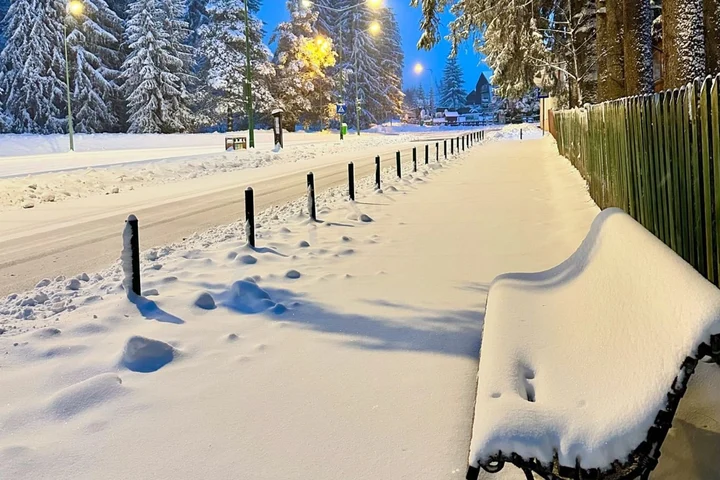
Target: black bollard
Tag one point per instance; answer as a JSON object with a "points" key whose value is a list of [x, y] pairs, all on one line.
{"points": [[437, 151], [414, 159], [377, 172], [132, 222], [351, 180], [452, 147], [445, 149], [312, 210], [463, 144], [250, 217], [399, 164], [521, 134], [427, 154]]}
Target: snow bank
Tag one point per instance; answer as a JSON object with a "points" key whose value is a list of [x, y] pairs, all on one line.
{"points": [[579, 359], [57, 179], [398, 129], [530, 131]]}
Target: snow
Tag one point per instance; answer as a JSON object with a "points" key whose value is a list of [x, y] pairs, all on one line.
{"points": [[95, 171], [546, 371], [367, 352], [360, 357]]}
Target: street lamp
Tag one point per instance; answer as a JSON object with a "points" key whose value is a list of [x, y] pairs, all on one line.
{"points": [[74, 8]]}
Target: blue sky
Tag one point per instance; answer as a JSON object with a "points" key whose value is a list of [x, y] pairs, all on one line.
{"points": [[409, 20]]}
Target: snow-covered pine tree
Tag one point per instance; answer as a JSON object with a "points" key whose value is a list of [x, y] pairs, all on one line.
{"points": [[453, 94], [4, 6], [197, 16], [223, 44], [120, 7], [391, 59], [94, 40], [302, 58], [156, 69], [422, 101], [33, 66], [431, 101]]}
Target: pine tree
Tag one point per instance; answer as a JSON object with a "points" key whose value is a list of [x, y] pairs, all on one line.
{"points": [[453, 94], [369, 66], [431, 101], [94, 53], [711, 15], [391, 60], [197, 16], [223, 44], [302, 58], [156, 70], [33, 66], [4, 6], [421, 98]]}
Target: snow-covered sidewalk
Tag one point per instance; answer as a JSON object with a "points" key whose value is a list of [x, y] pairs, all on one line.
{"points": [[343, 349]]}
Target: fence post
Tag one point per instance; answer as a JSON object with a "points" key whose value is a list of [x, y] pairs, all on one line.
{"points": [[377, 172], [521, 134], [437, 151], [351, 180], [445, 149], [311, 196], [463, 144], [452, 147], [132, 222], [427, 154], [414, 159], [398, 164]]}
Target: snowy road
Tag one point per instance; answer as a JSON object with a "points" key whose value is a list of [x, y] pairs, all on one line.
{"points": [[83, 235]]}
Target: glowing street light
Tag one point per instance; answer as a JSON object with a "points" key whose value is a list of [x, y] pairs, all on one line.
{"points": [[307, 4], [418, 68], [74, 8], [375, 3], [375, 28]]}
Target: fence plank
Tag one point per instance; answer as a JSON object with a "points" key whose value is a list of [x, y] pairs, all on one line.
{"points": [[707, 180]]}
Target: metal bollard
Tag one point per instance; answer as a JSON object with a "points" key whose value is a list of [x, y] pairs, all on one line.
{"points": [[398, 164], [445, 149], [132, 222], [463, 144], [521, 134], [351, 180], [414, 159], [452, 147], [437, 151], [427, 154], [377, 172], [312, 210], [250, 217]]}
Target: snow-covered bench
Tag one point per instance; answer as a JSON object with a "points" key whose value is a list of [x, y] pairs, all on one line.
{"points": [[582, 367]]}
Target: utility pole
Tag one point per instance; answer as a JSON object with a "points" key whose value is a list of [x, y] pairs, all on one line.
{"points": [[248, 81]]}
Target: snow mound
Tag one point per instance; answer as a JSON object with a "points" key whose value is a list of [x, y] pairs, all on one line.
{"points": [[247, 297], [87, 394], [579, 359], [205, 301], [247, 259], [146, 355]]}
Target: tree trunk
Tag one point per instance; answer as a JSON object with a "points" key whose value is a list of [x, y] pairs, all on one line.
{"points": [[683, 42], [712, 36], [601, 39], [637, 42], [614, 49]]}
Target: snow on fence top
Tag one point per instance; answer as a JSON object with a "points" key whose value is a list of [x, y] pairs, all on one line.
{"points": [[579, 359]]}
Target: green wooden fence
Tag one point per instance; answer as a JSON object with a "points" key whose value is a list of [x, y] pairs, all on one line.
{"points": [[653, 156]]}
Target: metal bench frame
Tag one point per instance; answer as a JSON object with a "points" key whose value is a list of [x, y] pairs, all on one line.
{"points": [[641, 462]]}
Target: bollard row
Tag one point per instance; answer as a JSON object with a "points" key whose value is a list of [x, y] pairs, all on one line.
{"points": [[131, 235]]}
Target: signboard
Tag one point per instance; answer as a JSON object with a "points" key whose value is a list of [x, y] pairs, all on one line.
{"points": [[543, 95], [341, 108]]}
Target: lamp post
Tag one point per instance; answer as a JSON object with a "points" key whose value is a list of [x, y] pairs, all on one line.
{"points": [[248, 81], [374, 29], [74, 8]]}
